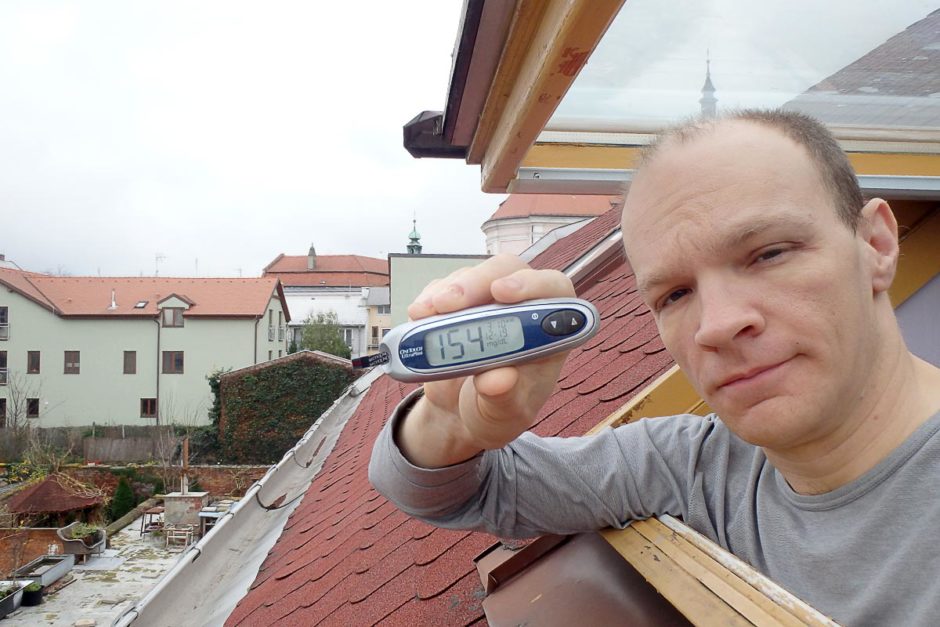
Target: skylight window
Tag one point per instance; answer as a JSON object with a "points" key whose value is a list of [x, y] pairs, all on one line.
{"points": [[141, 304]]}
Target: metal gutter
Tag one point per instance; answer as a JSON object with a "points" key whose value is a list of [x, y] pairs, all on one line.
{"points": [[212, 576]]}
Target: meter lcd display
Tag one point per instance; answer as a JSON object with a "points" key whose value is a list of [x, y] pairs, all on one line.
{"points": [[471, 341]]}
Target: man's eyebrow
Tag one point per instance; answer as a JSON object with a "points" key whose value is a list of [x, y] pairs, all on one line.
{"points": [[736, 237]]}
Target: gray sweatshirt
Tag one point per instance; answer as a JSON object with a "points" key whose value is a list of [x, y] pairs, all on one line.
{"points": [[867, 553]]}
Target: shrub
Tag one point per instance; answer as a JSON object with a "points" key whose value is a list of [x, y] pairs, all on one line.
{"points": [[123, 500]]}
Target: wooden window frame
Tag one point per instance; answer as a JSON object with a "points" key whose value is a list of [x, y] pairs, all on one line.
{"points": [[31, 367], [132, 367], [169, 362], [172, 317], [73, 365], [148, 408]]}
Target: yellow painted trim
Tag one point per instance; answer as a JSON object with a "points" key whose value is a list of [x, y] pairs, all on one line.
{"points": [[567, 34], [584, 156], [668, 395], [920, 258], [525, 22]]}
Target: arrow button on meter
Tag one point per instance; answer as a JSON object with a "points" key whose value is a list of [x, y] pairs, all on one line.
{"points": [[563, 322]]}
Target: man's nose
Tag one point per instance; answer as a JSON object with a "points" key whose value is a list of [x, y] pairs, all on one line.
{"points": [[726, 315]]}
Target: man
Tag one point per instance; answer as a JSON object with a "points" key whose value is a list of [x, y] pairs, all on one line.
{"points": [[767, 276]]}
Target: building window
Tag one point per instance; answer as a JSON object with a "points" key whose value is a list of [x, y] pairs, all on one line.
{"points": [[148, 408], [4, 323], [32, 408], [73, 362], [348, 336], [172, 362], [280, 353], [173, 317], [32, 362], [130, 362], [383, 309], [3, 367], [3, 413], [270, 355]]}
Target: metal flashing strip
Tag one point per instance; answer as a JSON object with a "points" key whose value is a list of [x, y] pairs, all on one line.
{"points": [[610, 181], [901, 187], [570, 181]]}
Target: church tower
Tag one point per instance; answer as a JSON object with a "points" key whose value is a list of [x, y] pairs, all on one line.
{"points": [[414, 245], [708, 101]]}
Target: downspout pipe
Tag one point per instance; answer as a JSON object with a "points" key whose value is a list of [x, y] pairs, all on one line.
{"points": [[157, 320], [257, 321]]}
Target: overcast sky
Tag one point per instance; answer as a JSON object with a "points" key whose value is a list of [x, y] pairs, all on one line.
{"points": [[224, 132]]}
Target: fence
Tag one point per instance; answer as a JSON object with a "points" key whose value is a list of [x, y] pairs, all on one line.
{"points": [[96, 443]]}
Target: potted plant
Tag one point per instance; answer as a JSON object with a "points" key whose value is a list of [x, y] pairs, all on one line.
{"points": [[86, 533], [32, 594], [11, 594]]}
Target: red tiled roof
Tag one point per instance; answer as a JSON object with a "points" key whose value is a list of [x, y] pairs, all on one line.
{"points": [[331, 271], [49, 497], [19, 281], [348, 557], [565, 251], [525, 205], [331, 279], [91, 296]]}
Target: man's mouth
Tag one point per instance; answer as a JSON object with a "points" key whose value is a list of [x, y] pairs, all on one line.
{"points": [[751, 375]]}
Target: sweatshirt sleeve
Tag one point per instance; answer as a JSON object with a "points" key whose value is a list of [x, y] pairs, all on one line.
{"points": [[541, 485]]}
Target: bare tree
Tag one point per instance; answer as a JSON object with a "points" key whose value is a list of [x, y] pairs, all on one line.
{"points": [[20, 391]]}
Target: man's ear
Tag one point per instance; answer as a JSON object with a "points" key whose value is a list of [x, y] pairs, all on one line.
{"points": [[878, 228]]}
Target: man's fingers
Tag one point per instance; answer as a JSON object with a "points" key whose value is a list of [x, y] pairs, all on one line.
{"points": [[472, 287], [528, 284]]}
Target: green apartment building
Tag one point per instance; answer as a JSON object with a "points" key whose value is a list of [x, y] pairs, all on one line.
{"points": [[118, 350]]}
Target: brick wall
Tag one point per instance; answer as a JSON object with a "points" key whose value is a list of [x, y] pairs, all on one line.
{"points": [[30, 543]]}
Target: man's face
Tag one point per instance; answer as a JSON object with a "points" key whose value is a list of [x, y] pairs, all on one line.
{"points": [[760, 292]]}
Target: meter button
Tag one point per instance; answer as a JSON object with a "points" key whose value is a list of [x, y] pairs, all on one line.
{"points": [[563, 322]]}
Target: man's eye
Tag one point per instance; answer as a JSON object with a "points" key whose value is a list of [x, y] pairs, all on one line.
{"points": [[767, 255], [672, 297]]}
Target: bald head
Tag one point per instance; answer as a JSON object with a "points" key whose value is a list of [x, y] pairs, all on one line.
{"points": [[830, 162]]}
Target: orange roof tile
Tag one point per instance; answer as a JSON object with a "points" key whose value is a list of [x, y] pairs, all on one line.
{"points": [[525, 205], [19, 281], [91, 296], [331, 271], [347, 556]]}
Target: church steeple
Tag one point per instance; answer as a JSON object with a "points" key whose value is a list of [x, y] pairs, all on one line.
{"points": [[414, 245], [708, 101]]}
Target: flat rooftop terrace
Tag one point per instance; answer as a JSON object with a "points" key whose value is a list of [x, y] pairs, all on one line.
{"points": [[106, 585]]}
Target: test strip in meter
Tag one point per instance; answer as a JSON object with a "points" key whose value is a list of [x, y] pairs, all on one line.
{"points": [[482, 338]]}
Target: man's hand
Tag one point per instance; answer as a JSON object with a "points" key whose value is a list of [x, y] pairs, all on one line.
{"points": [[457, 418]]}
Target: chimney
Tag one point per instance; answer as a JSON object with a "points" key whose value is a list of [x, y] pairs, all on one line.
{"points": [[311, 258], [113, 304]]}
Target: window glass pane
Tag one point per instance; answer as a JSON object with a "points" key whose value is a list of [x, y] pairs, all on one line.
{"points": [[846, 62], [4, 313], [32, 362], [130, 362]]}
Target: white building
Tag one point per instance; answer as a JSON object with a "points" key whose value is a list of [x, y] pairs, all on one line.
{"points": [[117, 350], [339, 283], [523, 219]]}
